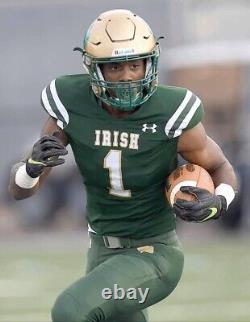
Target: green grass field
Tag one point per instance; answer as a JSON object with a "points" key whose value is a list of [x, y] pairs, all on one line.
{"points": [[215, 286]]}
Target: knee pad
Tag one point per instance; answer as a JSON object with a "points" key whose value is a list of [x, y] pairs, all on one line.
{"points": [[65, 309]]}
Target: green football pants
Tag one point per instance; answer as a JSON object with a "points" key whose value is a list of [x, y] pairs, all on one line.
{"points": [[121, 283]]}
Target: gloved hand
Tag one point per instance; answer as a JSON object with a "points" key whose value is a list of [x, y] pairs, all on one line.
{"points": [[206, 207], [45, 153]]}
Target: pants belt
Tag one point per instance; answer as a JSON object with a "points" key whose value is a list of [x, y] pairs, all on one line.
{"points": [[120, 242]]}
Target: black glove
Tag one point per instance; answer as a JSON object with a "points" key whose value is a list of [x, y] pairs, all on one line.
{"points": [[206, 207], [45, 153]]}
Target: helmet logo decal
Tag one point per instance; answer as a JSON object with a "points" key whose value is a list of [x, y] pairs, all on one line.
{"points": [[145, 127], [122, 51]]}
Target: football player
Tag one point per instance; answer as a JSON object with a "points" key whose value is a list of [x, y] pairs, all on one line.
{"points": [[125, 131]]}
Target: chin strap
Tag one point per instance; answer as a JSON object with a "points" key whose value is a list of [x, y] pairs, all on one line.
{"points": [[79, 49], [83, 58]]}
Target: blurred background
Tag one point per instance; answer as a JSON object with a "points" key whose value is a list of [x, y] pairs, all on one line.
{"points": [[43, 240]]}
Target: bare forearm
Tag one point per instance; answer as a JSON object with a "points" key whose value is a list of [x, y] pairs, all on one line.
{"points": [[60, 137], [196, 147], [19, 193], [224, 173]]}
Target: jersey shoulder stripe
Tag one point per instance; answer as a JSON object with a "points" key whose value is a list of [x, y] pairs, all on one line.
{"points": [[53, 105], [184, 116], [186, 120]]}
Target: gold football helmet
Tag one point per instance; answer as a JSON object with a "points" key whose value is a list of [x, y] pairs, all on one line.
{"points": [[119, 36]]}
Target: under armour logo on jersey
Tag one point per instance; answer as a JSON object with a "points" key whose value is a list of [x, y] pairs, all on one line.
{"points": [[146, 127]]}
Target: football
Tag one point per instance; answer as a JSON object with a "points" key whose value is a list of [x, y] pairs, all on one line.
{"points": [[187, 175]]}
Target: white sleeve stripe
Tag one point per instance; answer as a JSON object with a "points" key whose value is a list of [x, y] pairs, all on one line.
{"points": [[188, 117], [58, 102], [177, 113], [60, 124], [47, 104]]}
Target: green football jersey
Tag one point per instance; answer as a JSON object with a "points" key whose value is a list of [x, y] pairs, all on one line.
{"points": [[124, 162]]}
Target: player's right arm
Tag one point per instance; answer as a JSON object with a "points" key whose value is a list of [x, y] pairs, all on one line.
{"points": [[27, 175]]}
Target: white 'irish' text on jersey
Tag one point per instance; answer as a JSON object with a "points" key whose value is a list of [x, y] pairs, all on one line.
{"points": [[117, 139]]}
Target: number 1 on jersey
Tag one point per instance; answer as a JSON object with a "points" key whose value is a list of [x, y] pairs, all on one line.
{"points": [[112, 162]]}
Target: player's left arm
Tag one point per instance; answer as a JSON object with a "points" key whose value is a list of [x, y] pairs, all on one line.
{"points": [[196, 147]]}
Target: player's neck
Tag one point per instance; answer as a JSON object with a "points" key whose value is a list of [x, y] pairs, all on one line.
{"points": [[115, 112]]}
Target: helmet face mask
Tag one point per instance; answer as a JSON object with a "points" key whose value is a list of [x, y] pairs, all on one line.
{"points": [[123, 95], [121, 36]]}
